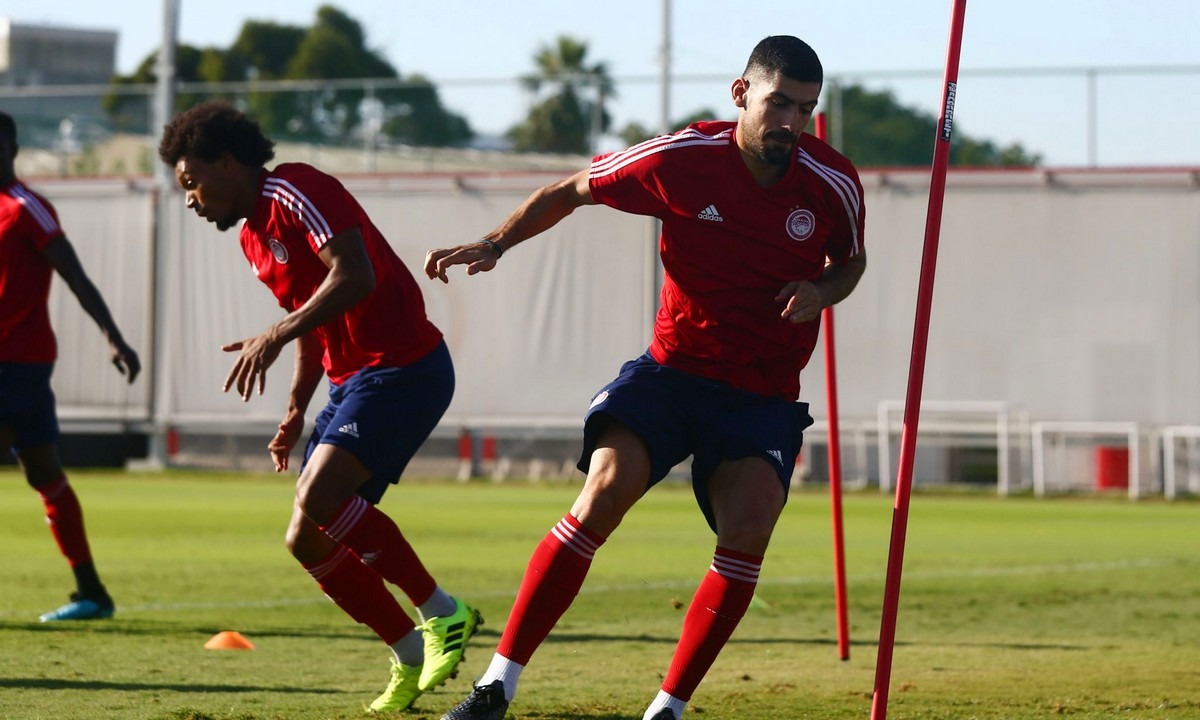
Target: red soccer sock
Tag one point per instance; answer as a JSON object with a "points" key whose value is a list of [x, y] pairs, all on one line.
{"points": [[552, 580], [377, 541], [360, 592], [717, 607], [65, 518]]}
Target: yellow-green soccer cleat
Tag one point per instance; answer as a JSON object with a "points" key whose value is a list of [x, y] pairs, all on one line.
{"points": [[446, 642], [401, 692]]}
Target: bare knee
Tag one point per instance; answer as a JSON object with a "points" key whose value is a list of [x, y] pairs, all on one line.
{"points": [[331, 477], [41, 465], [747, 499], [602, 505], [616, 481], [309, 501], [749, 535], [305, 541]]}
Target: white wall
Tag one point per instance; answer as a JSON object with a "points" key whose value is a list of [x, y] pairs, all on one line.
{"points": [[1075, 295]]}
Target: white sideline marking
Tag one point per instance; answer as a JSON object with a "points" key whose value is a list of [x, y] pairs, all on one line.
{"points": [[927, 575], [1084, 567]]}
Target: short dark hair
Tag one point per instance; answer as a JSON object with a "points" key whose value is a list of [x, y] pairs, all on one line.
{"points": [[8, 128], [211, 128], [787, 55]]}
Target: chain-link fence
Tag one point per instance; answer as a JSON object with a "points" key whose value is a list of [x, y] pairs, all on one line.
{"points": [[1065, 116]]}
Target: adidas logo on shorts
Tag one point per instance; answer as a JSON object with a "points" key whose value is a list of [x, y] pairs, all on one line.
{"points": [[350, 429], [710, 213]]}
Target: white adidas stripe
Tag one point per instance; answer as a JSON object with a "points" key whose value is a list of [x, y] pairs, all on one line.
{"points": [[39, 211], [846, 190], [287, 195], [618, 160]]}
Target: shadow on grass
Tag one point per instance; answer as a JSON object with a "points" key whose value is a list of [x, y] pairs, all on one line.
{"points": [[1023, 646], [62, 684], [107, 627], [571, 637], [574, 715]]}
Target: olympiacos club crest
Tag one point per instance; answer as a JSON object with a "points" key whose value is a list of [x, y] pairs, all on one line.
{"points": [[801, 224], [281, 254]]}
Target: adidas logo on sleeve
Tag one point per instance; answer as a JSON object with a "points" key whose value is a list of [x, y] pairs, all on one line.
{"points": [[350, 429]]}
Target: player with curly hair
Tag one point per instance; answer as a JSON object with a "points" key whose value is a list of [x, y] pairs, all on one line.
{"points": [[356, 315]]}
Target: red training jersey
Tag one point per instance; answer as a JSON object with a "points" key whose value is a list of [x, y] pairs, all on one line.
{"points": [[729, 246], [28, 222], [300, 209]]}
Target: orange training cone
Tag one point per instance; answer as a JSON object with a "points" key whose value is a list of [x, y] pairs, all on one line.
{"points": [[228, 640]]}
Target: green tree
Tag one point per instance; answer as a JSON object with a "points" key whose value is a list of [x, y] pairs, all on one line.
{"points": [[334, 48], [572, 117], [414, 115], [132, 112], [879, 131], [262, 51]]}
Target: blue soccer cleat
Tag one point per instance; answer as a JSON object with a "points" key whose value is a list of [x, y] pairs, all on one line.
{"points": [[81, 608]]}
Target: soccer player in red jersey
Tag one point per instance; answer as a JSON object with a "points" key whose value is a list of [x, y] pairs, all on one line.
{"points": [[762, 227], [32, 248], [356, 315]]}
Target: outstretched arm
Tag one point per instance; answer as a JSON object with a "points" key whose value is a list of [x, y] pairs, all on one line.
{"points": [[805, 300], [61, 255], [541, 211]]}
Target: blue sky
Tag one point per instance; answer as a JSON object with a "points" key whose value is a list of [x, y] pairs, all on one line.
{"points": [[1140, 120]]}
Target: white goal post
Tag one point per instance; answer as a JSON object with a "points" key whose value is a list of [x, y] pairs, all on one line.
{"points": [[1130, 432], [964, 419], [1170, 435]]}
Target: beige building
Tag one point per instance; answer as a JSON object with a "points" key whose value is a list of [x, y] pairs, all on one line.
{"points": [[33, 55], [56, 61]]}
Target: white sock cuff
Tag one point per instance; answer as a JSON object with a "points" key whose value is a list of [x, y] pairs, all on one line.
{"points": [[439, 604], [504, 670], [665, 700]]}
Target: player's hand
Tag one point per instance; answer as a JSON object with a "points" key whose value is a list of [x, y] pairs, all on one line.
{"points": [[126, 360], [478, 257], [804, 301], [285, 439], [257, 354]]}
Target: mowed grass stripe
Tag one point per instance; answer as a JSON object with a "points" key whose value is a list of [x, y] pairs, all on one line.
{"points": [[1090, 567], [1011, 609]]}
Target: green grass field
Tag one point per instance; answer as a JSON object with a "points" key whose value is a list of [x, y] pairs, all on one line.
{"points": [[1011, 608]]}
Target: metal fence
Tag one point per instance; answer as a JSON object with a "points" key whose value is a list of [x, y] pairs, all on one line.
{"points": [[1069, 116]]}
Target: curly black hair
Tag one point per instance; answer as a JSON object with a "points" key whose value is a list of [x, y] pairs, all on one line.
{"points": [[211, 128]]}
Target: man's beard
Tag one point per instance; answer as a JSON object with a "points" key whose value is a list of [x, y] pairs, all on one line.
{"points": [[774, 153]]}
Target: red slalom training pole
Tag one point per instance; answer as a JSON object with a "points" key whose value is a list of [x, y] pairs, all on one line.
{"points": [[916, 371], [835, 461]]}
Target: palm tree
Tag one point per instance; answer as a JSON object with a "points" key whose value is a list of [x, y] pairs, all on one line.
{"points": [[571, 117]]}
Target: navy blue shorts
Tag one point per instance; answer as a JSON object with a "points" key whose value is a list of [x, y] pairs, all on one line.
{"points": [[383, 415], [27, 404], [678, 414]]}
